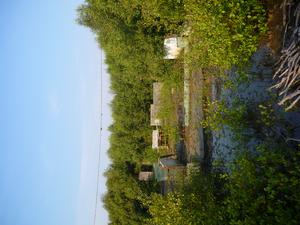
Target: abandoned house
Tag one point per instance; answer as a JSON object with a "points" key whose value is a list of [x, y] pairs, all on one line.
{"points": [[154, 108], [173, 46]]}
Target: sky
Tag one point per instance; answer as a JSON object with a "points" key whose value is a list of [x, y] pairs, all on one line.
{"points": [[50, 87]]}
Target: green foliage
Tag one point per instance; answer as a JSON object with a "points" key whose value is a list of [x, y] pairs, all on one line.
{"points": [[165, 210], [195, 204], [223, 33], [170, 101], [219, 115], [263, 188], [267, 114], [121, 198], [246, 119], [150, 155], [131, 32]]}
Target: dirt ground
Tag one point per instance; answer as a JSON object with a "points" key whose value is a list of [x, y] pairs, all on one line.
{"points": [[194, 137]]}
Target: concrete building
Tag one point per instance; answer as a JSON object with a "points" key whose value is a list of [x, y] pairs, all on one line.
{"points": [[154, 108], [159, 140], [145, 175], [173, 46]]}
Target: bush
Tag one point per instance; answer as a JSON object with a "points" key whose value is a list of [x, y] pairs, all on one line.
{"points": [[264, 187], [224, 33]]}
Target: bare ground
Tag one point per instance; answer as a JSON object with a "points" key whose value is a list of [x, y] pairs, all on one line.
{"points": [[194, 137]]}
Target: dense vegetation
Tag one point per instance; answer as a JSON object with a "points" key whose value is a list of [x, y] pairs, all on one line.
{"points": [[260, 187], [131, 34]]}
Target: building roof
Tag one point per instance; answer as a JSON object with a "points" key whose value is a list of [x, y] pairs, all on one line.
{"points": [[159, 173], [163, 173], [169, 163]]}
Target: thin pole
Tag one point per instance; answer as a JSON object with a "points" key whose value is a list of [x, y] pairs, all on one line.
{"points": [[99, 157]]}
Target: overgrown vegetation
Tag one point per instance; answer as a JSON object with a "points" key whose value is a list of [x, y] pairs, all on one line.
{"points": [[170, 107], [223, 33], [261, 186]]}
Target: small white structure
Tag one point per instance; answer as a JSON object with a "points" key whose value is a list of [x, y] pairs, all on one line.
{"points": [[145, 175], [158, 139], [154, 108], [154, 120], [173, 46], [155, 139]]}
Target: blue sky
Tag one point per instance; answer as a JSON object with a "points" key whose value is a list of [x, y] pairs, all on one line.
{"points": [[50, 114]]}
